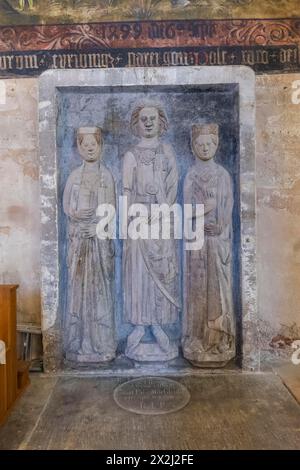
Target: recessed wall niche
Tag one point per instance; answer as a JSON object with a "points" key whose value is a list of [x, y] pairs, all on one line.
{"points": [[217, 104]]}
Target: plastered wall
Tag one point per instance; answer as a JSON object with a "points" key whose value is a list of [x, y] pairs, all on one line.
{"points": [[19, 195], [278, 202]]}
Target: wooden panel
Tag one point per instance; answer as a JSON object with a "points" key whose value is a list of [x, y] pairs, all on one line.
{"points": [[8, 327], [3, 393], [4, 316], [11, 376], [22, 375]]}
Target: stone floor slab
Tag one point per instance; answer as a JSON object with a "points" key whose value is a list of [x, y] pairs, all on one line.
{"points": [[240, 411]]}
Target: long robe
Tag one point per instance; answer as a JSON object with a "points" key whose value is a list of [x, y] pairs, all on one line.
{"points": [[208, 322], [150, 267], [89, 330]]}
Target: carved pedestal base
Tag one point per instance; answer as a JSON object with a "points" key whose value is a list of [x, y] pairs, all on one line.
{"points": [[151, 352], [207, 360], [93, 358]]}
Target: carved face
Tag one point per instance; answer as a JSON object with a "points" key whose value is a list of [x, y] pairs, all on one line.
{"points": [[89, 148], [148, 123], [205, 146]]}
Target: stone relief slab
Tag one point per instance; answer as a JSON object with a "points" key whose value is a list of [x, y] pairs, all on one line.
{"points": [[209, 321], [142, 298], [89, 331], [150, 176]]}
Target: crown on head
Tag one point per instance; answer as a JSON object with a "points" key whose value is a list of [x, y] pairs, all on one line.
{"points": [[89, 130], [205, 129]]}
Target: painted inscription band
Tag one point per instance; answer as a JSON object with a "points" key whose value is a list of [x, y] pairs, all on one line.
{"points": [[260, 59]]}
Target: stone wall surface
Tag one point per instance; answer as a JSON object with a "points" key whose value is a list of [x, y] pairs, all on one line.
{"points": [[19, 195], [278, 200]]}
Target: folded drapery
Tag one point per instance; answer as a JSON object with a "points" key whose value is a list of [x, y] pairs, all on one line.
{"points": [[2, 352]]}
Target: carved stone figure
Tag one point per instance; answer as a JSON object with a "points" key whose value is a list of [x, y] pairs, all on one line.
{"points": [[89, 331], [150, 271], [208, 324]]}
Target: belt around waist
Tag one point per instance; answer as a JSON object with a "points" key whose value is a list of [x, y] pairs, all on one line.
{"points": [[146, 199]]}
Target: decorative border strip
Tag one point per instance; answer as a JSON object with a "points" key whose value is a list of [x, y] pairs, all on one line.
{"points": [[264, 45]]}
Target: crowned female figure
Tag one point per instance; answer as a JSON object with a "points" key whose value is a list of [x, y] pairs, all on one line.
{"points": [[208, 323], [89, 331], [150, 272]]}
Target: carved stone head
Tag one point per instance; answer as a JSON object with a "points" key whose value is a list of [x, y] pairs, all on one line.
{"points": [[89, 143], [205, 140], [148, 120]]}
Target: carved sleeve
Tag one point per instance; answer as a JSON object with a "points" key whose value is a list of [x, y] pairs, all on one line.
{"points": [[229, 200], [188, 190], [129, 172], [171, 181], [67, 196], [226, 203], [110, 196]]}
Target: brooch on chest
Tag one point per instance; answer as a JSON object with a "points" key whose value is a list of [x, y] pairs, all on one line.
{"points": [[147, 156]]}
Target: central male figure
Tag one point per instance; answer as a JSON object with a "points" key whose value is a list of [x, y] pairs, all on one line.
{"points": [[150, 273]]}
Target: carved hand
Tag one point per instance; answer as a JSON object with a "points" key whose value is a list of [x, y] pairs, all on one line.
{"points": [[83, 214], [88, 230], [152, 188], [212, 229], [210, 202]]}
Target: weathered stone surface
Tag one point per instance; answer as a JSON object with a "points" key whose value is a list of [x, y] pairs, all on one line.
{"points": [[278, 202], [209, 323], [256, 409], [151, 299], [19, 195], [152, 396], [277, 170], [17, 430], [89, 320], [49, 82]]}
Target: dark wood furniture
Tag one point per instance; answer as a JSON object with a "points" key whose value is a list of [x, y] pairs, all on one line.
{"points": [[14, 376]]}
